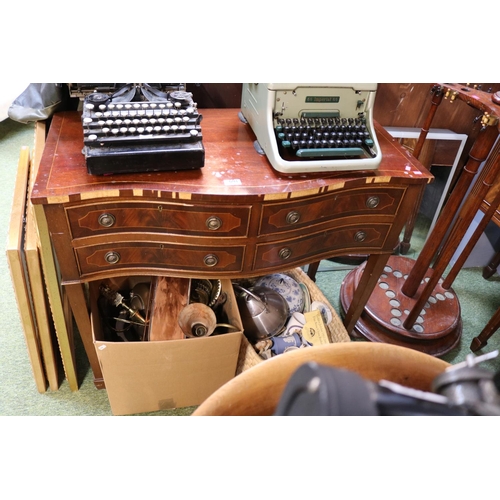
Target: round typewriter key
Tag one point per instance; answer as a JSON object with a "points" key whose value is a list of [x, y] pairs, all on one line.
{"points": [[89, 106], [92, 137], [166, 128], [149, 129], [105, 130], [140, 130], [123, 130], [114, 131], [193, 132], [87, 120], [157, 128], [132, 130]]}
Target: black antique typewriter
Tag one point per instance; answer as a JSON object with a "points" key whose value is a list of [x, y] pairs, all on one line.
{"points": [[140, 128]]}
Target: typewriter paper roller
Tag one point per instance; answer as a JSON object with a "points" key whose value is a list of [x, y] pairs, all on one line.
{"points": [[310, 127]]}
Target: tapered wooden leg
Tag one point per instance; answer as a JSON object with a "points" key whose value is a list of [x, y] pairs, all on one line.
{"points": [[78, 303], [373, 269], [491, 268], [482, 339]]}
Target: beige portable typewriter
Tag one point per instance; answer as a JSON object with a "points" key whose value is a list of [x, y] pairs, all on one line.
{"points": [[311, 127]]}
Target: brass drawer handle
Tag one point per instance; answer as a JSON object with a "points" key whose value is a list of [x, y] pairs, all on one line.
{"points": [[112, 257], [210, 260], [293, 217], [213, 223], [360, 236], [285, 253], [107, 220], [373, 202]]}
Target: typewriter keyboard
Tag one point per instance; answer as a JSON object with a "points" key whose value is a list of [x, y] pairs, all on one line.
{"points": [[330, 137], [110, 123]]}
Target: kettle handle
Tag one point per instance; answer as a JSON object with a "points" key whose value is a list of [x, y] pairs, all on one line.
{"points": [[248, 292]]}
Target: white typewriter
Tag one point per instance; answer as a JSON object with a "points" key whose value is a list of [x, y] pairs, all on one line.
{"points": [[311, 127]]}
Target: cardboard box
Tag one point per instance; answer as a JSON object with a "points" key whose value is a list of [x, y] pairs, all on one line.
{"points": [[157, 375]]}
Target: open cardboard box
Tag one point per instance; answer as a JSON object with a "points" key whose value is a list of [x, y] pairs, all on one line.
{"points": [[157, 375]]}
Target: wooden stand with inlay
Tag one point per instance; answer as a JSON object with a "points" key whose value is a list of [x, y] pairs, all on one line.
{"points": [[438, 331]]}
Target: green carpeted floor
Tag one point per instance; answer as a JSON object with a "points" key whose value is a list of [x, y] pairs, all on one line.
{"points": [[479, 299]]}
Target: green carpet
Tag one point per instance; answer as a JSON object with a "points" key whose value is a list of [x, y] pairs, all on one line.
{"points": [[18, 394]]}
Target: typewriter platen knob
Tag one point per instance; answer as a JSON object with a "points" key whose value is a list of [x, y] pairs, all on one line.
{"points": [[98, 98], [180, 97]]}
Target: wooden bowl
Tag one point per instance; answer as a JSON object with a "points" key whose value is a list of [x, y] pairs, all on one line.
{"points": [[257, 390]]}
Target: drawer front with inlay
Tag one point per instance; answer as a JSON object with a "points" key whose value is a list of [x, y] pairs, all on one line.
{"points": [[295, 214], [310, 248], [142, 255], [91, 220]]}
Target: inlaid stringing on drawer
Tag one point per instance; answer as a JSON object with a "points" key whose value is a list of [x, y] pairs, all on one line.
{"points": [[291, 215], [95, 258], [311, 247], [92, 220]]}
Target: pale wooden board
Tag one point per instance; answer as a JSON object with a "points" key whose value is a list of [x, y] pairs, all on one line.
{"points": [[18, 272], [39, 295], [60, 313]]}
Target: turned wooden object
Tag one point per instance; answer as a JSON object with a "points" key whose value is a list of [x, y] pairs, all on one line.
{"points": [[257, 391], [479, 152]]}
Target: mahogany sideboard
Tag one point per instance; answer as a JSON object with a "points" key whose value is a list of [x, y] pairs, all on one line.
{"points": [[235, 217]]}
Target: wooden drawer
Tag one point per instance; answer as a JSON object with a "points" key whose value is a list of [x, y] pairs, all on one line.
{"points": [[296, 214], [349, 239], [175, 218], [150, 256]]}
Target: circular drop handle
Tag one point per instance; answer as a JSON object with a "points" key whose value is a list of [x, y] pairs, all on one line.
{"points": [[373, 202], [360, 236], [285, 253], [213, 223], [112, 257], [210, 260], [293, 217], [107, 220]]}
